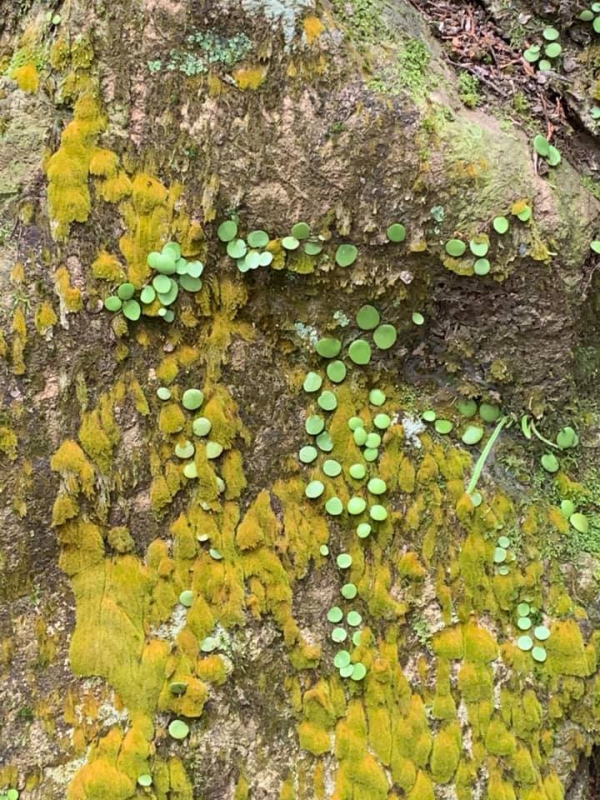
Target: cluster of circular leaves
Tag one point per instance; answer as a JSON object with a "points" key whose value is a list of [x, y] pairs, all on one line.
{"points": [[546, 150], [578, 520], [9, 794], [533, 634], [503, 555], [566, 439], [478, 247], [552, 49], [472, 433], [155, 298], [192, 400], [342, 661], [592, 14], [253, 251]]}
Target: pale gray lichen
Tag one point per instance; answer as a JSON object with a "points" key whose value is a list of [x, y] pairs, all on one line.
{"points": [[279, 13]]}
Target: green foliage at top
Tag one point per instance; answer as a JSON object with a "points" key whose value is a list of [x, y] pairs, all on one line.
{"points": [[469, 89], [206, 49], [363, 18]]}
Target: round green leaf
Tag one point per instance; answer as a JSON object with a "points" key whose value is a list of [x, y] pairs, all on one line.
{"points": [[542, 633], [550, 462], [301, 230], [308, 454], [344, 560], [371, 454], [258, 238], [385, 336], [499, 555], [313, 248], [376, 397], [378, 513], [525, 215], [334, 506], [360, 352], [192, 399], [126, 291], [359, 672], [544, 65], [346, 255], [443, 426], [373, 440], [132, 310], [145, 780], [479, 246], [482, 266], [332, 468], [587, 15], [360, 436], [531, 55], [553, 50], [579, 522], [357, 471], [368, 318], [525, 643], [201, 426], [523, 623], [148, 295], [327, 401], [567, 508], [312, 382], [324, 550], [539, 654], [566, 438], [377, 486], [363, 531], [504, 542], [382, 422], [335, 615], [501, 225], [339, 635], [472, 435], [113, 303], [356, 505], [185, 450], [595, 245], [455, 248], [163, 393], [355, 422], [328, 347], [550, 34], [325, 442], [396, 232], [178, 688], [353, 619], [341, 659], [336, 371], [429, 415], [178, 729], [314, 489], [418, 318], [186, 598], [489, 412], [227, 231], [213, 450], [349, 591], [468, 408], [541, 145], [190, 284], [314, 424], [554, 156], [290, 243]]}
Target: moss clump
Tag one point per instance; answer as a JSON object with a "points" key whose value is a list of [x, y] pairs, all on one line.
{"points": [[27, 78], [259, 526], [45, 318], [70, 295], [107, 267], [68, 169], [99, 433], [8, 442], [449, 643], [65, 508], [171, 418], [480, 645], [104, 163], [499, 741], [447, 747], [566, 650], [120, 540], [75, 469]]}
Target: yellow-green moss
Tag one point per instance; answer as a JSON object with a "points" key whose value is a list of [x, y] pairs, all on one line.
{"points": [[107, 267], [27, 78], [171, 418], [499, 741], [566, 650], [75, 469], [8, 442], [70, 295], [45, 317]]}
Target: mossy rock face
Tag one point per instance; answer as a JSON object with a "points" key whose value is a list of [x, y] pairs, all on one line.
{"points": [[139, 586]]}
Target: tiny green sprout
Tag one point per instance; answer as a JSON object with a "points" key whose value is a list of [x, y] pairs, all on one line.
{"points": [[567, 438], [567, 508], [324, 550], [541, 145], [335, 615], [353, 619], [349, 591], [346, 255], [541, 633], [363, 531], [312, 248], [595, 246], [472, 435], [525, 643], [468, 408], [314, 424], [429, 415], [308, 454], [336, 371], [126, 291], [396, 232], [376, 397], [356, 506], [489, 412], [192, 399], [544, 65], [339, 635], [525, 214], [213, 450], [201, 426], [359, 671], [325, 442], [186, 598], [455, 248], [499, 555], [344, 560], [378, 513], [539, 654], [144, 780], [237, 248], [327, 401], [553, 50], [443, 426], [524, 623], [332, 468], [418, 318], [482, 267]]}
